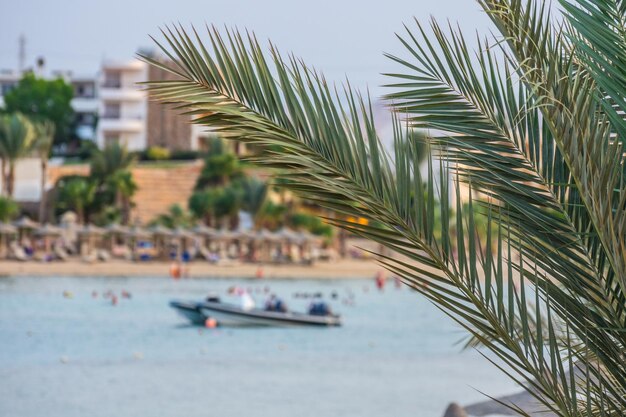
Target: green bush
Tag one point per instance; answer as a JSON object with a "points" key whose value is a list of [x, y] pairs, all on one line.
{"points": [[8, 209], [157, 153]]}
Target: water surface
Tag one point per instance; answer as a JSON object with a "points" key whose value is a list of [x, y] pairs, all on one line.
{"points": [[396, 354]]}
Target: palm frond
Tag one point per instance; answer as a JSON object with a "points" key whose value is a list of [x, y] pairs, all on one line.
{"points": [[567, 97], [324, 142], [600, 38]]}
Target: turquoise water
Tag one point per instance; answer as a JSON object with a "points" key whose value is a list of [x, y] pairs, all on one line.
{"points": [[396, 354]]}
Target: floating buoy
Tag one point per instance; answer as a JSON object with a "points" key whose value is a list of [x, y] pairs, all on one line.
{"points": [[138, 356], [210, 323], [64, 359], [68, 294]]}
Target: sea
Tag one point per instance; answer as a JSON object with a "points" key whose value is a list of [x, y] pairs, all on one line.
{"points": [[66, 350]]}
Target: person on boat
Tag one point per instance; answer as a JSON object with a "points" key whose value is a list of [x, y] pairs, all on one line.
{"points": [[246, 302], [319, 308], [275, 304]]}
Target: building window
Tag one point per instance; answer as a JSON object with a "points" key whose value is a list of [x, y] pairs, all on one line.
{"points": [[6, 87], [112, 79], [111, 138], [84, 90], [112, 111], [85, 119]]}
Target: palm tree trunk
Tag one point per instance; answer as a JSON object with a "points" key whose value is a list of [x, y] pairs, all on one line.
{"points": [[11, 179], [80, 214], [125, 210], [43, 199], [3, 176]]}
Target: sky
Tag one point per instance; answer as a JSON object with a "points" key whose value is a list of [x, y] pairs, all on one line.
{"points": [[342, 38]]}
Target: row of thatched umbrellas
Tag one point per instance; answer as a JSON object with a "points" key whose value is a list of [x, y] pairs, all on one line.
{"points": [[282, 235], [89, 238]]}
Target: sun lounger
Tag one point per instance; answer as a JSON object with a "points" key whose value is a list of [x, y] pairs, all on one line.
{"points": [[206, 254], [91, 257], [104, 255], [60, 253], [17, 252]]}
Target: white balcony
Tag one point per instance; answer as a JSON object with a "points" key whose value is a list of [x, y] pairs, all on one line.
{"points": [[121, 125], [85, 105], [122, 94]]}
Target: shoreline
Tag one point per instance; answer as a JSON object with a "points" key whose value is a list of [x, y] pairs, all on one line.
{"points": [[342, 269]]}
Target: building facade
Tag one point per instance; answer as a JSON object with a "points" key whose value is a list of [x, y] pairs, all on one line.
{"points": [[111, 106], [122, 105], [85, 102]]}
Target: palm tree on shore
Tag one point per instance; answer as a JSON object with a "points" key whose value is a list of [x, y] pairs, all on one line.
{"points": [[125, 187], [16, 140], [76, 193], [44, 139], [530, 127], [113, 158]]}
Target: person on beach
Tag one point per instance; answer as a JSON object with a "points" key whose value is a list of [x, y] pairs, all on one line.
{"points": [[175, 270], [380, 280]]}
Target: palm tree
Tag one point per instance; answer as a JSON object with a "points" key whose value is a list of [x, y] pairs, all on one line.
{"points": [[16, 139], [175, 217], [530, 126], [202, 205], [76, 193], [44, 139], [122, 183], [254, 192], [8, 209], [106, 162]]}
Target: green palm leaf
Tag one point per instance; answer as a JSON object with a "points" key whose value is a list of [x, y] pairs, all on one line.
{"points": [[323, 142]]}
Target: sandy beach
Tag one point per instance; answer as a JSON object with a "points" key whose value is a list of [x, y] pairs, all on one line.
{"points": [[348, 268]]}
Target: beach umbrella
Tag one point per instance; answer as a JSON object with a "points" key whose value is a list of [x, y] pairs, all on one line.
{"points": [[181, 233], [25, 223], [7, 229], [161, 231], [246, 234], [224, 235], [307, 237], [91, 230], [89, 236], [69, 217], [288, 235], [267, 235], [203, 230], [48, 230], [117, 229], [139, 233]]}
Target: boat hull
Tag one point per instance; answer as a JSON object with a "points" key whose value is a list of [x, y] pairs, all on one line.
{"points": [[190, 311], [231, 315]]}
